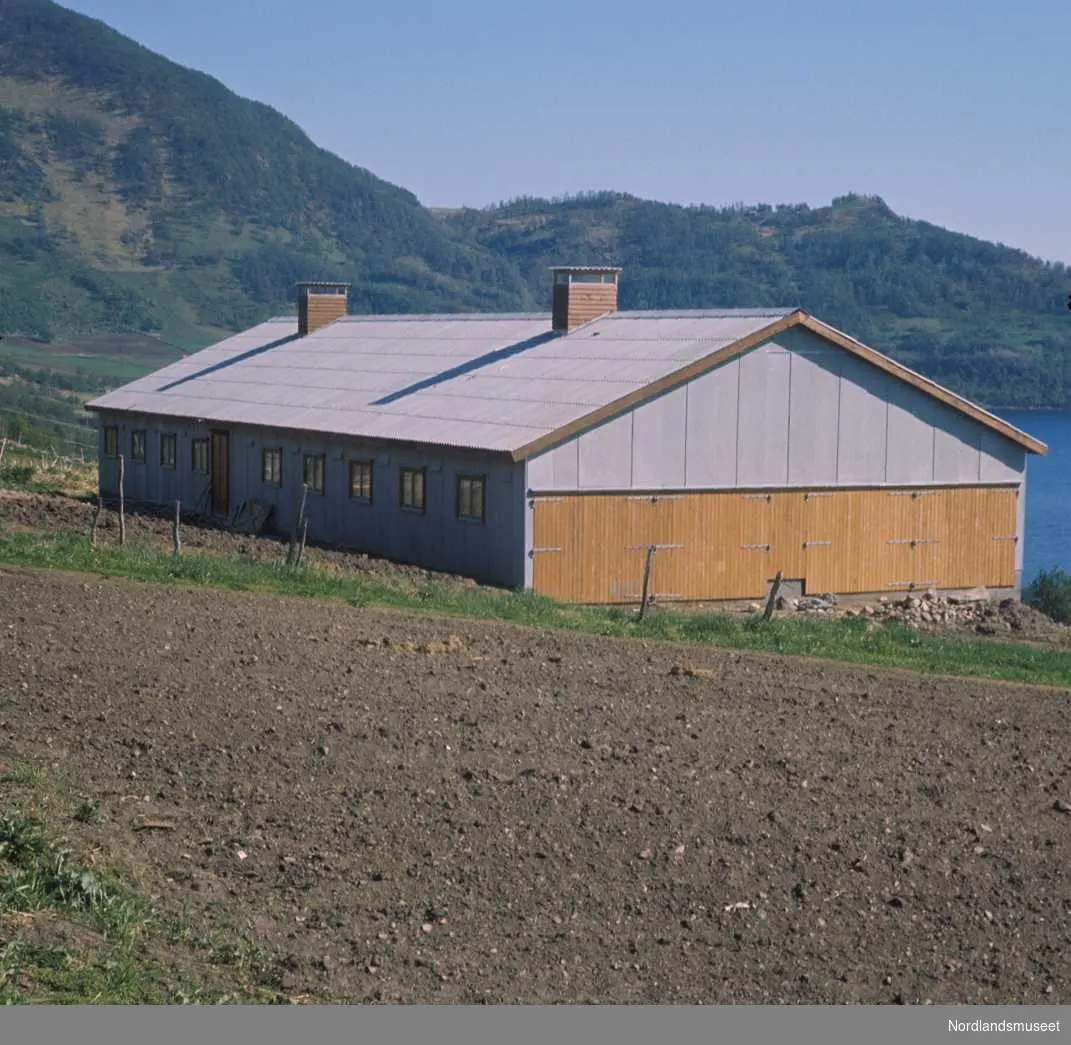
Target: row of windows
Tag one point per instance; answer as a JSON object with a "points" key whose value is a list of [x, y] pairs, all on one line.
{"points": [[413, 486], [412, 483], [168, 449]]}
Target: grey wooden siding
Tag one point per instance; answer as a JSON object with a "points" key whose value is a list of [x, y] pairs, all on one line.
{"points": [[795, 411], [491, 551]]}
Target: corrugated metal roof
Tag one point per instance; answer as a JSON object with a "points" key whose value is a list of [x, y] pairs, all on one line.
{"points": [[493, 382]]}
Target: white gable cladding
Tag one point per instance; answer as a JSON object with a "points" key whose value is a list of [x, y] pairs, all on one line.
{"points": [[796, 411]]}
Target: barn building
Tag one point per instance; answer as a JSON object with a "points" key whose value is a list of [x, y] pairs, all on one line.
{"points": [[551, 453]]}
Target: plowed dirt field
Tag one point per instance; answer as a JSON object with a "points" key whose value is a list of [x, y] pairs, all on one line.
{"points": [[400, 807]]}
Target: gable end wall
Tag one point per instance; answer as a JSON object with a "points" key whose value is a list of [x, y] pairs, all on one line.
{"points": [[794, 412]]}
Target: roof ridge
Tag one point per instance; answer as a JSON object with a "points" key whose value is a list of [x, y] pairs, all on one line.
{"points": [[700, 313]]}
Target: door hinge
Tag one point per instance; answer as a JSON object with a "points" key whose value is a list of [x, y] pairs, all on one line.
{"points": [[645, 547]]}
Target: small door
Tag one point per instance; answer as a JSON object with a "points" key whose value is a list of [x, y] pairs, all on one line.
{"points": [[221, 473]]}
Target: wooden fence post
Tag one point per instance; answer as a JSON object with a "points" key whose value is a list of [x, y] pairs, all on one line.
{"points": [[291, 552], [301, 546], [3, 447], [176, 536], [646, 581], [772, 600], [96, 522], [122, 502]]}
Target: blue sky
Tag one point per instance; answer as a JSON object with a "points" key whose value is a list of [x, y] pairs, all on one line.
{"points": [[954, 111]]}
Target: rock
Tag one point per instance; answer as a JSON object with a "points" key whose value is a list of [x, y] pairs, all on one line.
{"points": [[883, 599], [754, 607], [1061, 806], [974, 595], [816, 602]]}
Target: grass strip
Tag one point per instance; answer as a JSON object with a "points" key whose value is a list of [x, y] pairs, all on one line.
{"points": [[855, 640]]}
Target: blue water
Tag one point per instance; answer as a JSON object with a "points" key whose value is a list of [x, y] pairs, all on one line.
{"points": [[1048, 491]]}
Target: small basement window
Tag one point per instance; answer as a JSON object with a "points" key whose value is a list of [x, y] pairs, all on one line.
{"points": [[137, 445], [412, 495], [199, 455], [361, 481], [168, 451], [271, 467], [314, 472], [470, 497], [111, 441]]}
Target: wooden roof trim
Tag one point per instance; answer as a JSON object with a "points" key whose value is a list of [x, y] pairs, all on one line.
{"points": [[795, 318], [656, 388], [923, 384]]}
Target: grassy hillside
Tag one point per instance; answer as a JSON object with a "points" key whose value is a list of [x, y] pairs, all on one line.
{"points": [[137, 195], [986, 320]]}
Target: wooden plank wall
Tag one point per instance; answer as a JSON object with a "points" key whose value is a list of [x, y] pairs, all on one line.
{"points": [[591, 547], [576, 303], [319, 310]]}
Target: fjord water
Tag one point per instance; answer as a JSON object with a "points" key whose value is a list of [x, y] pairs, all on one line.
{"points": [[1048, 491]]}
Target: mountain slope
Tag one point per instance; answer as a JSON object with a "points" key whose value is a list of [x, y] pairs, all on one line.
{"points": [[140, 197], [136, 194], [986, 320]]}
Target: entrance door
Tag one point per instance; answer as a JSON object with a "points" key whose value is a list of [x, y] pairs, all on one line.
{"points": [[221, 473]]}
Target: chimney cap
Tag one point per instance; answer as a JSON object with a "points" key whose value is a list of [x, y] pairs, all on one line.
{"points": [[324, 284]]}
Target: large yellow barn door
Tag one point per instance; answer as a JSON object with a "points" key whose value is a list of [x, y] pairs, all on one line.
{"points": [[826, 524], [594, 547], [552, 551], [728, 545], [973, 534]]}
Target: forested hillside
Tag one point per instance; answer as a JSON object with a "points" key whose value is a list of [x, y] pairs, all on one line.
{"points": [[989, 321], [136, 194], [140, 197]]}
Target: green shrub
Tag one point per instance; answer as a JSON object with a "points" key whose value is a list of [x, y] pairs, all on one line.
{"points": [[1050, 592], [16, 476]]}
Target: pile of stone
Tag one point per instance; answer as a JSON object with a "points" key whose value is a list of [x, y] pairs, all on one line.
{"points": [[975, 608]]}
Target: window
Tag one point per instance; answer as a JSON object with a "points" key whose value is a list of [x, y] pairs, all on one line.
{"points": [[137, 445], [361, 481], [168, 444], [271, 467], [314, 472], [412, 498], [199, 455], [111, 441], [470, 490]]}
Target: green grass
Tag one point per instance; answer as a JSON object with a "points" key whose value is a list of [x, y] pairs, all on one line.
{"points": [[101, 943], [91, 358], [851, 639]]}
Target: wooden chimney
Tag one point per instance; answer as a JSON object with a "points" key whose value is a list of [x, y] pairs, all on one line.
{"points": [[320, 304], [582, 293]]}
